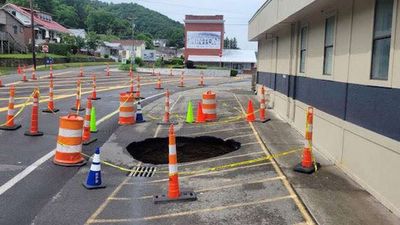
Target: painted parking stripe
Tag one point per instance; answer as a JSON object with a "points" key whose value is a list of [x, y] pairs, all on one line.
{"points": [[13, 181]]}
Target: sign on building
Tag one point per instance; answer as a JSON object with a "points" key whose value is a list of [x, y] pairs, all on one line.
{"points": [[203, 40], [149, 55]]}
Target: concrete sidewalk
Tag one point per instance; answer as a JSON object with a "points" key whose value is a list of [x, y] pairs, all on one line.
{"points": [[329, 194]]}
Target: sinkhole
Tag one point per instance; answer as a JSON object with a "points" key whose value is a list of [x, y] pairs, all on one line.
{"points": [[189, 149]]}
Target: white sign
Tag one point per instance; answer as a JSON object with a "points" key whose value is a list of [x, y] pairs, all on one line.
{"points": [[149, 55], [203, 40]]}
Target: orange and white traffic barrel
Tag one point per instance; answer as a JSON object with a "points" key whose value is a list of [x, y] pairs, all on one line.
{"points": [[9, 124], [69, 141], [209, 103], [126, 109]]}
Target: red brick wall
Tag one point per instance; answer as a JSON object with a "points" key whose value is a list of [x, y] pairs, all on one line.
{"points": [[204, 27]]}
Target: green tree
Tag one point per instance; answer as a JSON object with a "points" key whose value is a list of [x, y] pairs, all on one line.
{"points": [[147, 38], [100, 21], [92, 40], [80, 43]]}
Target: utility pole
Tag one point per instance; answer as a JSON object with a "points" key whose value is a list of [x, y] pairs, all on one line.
{"points": [[33, 36]]}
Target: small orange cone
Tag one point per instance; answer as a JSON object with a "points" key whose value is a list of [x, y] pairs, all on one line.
{"points": [[51, 71], [50, 104], [307, 164], [86, 124], [130, 71], [24, 75], [9, 124], [131, 86], [1, 83], [181, 81], [33, 74], [94, 93], [19, 69], [201, 84], [158, 84], [250, 117], [108, 69], [34, 131], [174, 192], [77, 106], [201, 118], [81, 71], [137, 96]]}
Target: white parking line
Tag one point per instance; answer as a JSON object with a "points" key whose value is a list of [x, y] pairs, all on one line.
{"points": [[13, 181]]}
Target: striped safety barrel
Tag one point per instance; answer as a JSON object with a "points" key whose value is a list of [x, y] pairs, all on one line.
{"points": [[209, 103], [126, 109], [69, 141]]}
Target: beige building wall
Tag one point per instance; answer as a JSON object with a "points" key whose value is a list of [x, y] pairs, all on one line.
{"points": [[371, 159]]}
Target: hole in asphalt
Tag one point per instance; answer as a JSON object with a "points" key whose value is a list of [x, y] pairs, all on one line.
{"points": [[189, 149]]}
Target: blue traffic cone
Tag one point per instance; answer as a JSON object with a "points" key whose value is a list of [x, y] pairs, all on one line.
{"points": [[93, 180], [139, 114]]}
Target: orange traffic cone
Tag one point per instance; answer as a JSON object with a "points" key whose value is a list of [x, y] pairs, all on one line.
{"points": [[130, 71], [201, 84], [137, 96], [81, 71], [94, 93], [307, 164], [1, 83], [9, 124], [174, 192], [131, 86], [34, 131], [86, 124], [201, 118], [77, 106], [19, 71], [24, 75], [108, 69], [166, 119], [181, 80], [263, 108], [33, 74], [50, 104], [158, 84], [250, 117], [51, 71]]}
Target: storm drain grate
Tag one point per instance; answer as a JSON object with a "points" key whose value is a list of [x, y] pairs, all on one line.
{"points": [[142, 171]]}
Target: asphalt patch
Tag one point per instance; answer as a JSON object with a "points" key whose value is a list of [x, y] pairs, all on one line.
{"points": [[189, 149]]}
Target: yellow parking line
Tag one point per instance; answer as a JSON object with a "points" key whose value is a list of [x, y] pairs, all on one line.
{"points": [[296, 199], [206, 173], [219, 158], [237, 183], [190, 212]]}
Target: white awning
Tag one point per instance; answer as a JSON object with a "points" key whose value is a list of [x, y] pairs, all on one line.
{"points": [[228, 56]]}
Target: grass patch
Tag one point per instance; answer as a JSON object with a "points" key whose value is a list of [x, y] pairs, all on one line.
{"points": [[28, 56], [126, 67]]}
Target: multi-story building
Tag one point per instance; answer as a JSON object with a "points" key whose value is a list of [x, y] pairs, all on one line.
{"points": [[46, 29], [341, 57]]}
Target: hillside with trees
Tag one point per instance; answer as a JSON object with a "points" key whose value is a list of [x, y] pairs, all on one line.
{"points": [[112, 19]]}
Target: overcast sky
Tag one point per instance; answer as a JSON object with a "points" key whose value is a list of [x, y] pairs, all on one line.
{"points": [[236, 13]]}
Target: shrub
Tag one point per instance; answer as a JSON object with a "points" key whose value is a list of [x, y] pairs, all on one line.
{"points": [[106, 56], [234, 73], [159, 62], [126, 67], [138, 61], [176, 61], [61, 49]]}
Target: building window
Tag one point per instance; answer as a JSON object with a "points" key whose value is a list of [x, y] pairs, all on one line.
{"points": [[328, 46], [15, 29], [303, 48], [381, 39]]}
